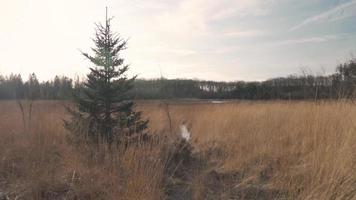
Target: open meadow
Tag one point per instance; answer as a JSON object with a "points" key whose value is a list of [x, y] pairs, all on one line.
{"points": [[178, 100], [236, 150]]}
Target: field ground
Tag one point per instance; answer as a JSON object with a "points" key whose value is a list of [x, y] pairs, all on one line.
{"points": [[238, 150]]}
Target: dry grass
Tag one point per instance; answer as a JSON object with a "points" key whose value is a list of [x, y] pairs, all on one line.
{"points": [[304, 150], [40, 164]]}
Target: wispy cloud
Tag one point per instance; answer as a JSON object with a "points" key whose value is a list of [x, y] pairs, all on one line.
{"points": [[198, 15], [168, 50], [342, 11], [246, 33], [317, 39]]}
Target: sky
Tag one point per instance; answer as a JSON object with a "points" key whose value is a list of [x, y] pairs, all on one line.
{"points": [[224, 40]]}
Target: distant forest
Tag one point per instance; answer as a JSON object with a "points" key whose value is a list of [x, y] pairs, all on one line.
{"points": [[341, 84]]}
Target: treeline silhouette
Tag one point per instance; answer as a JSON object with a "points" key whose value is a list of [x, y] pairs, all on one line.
{"points": [[341, 84]]}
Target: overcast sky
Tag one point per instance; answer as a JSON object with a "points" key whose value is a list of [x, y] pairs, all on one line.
{"points": [[204, 39]]}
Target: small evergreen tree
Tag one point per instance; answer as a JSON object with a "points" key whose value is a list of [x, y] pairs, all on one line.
{"points": [[104, 111]]}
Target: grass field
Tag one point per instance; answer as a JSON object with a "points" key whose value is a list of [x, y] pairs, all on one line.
{"points": [[238, 150]]}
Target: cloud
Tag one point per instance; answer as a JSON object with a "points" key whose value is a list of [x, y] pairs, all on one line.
{"points": [[196, 16], [337, 13], [246, 33], [160, 50], [317, 39], [224, 50], [231, 8]]}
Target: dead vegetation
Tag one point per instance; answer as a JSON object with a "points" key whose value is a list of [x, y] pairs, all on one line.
{"points": [[259, 150]]}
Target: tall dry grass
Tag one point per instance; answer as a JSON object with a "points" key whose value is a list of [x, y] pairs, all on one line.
{"points": [[40, 163], [306, 149], [303, 150]]}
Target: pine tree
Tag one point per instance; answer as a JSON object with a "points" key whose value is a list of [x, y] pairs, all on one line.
{"points": [[103, 109]]}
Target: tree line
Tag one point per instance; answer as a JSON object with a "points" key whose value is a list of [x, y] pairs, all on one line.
{"points": [[341, 84], [14, 87]]}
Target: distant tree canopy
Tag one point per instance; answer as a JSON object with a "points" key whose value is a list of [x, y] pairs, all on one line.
{"points": [[341, 84], [13, 87]]}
